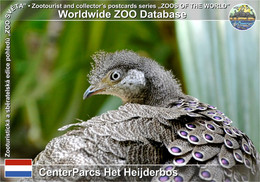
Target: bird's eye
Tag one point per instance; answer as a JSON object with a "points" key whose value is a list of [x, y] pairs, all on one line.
{"points": [[115, 76]]}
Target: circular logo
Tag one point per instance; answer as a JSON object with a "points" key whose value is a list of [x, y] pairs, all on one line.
{"points": [[242, 16]]}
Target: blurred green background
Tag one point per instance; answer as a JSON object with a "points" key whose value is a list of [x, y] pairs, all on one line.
{"points": [[50, 60]]}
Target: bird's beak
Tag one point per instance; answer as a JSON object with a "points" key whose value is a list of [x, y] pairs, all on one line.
{"points": [[92, 90]]}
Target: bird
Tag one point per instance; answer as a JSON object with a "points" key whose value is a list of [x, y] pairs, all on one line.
{"points": [[157, 124]]}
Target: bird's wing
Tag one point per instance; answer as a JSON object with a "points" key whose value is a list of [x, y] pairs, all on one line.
{"points": [[133, 134], [130, 124], [217, 150], [186, 132]]}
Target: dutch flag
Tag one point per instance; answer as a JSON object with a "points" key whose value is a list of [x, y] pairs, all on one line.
{"points": [[16, 168]]}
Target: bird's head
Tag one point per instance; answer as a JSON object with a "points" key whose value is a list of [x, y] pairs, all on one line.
{"points": [[132, 78]]}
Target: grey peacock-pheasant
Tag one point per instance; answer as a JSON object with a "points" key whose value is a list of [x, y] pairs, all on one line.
{"points": [[157, 124]]}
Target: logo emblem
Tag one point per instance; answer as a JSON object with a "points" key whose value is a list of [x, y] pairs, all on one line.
{"points": [[242, 16]]}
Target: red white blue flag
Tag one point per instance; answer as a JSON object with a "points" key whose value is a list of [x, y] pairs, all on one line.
{"points": [[16, 168]]}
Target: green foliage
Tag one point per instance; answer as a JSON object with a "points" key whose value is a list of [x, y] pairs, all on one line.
{"points": [[50, 61]]}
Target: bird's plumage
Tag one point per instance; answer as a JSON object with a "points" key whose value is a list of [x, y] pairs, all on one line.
{"points": [[171, 129]]}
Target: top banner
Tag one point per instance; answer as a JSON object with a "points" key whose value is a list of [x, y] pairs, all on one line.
{"points": [[133, 10]]}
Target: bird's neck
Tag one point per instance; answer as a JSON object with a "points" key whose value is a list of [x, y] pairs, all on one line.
{"points": [[162, 90]]}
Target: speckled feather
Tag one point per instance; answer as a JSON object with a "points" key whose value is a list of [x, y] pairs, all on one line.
{"points": [[107, 140], [174, 130]]}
